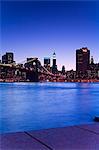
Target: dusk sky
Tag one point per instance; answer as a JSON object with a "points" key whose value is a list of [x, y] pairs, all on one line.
{"points": [[37, 29]]}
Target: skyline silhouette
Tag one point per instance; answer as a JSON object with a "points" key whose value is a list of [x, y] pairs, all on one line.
{"points": [[37, 29]]}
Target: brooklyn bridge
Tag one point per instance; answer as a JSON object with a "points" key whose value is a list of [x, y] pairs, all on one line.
{"points": [[32, 70]]}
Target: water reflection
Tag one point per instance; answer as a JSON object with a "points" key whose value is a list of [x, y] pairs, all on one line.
{"points": [[31, 106]]}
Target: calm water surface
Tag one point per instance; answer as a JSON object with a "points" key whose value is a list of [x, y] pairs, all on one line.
{"points": [[33, 106]]}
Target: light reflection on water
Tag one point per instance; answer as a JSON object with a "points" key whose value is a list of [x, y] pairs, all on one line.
{"points": [[33, 106]]}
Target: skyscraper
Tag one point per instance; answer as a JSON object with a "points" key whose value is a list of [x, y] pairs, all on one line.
{"points": [[46, 62], [92, 60], [8, 58], [54, 59], [82, 60], [54, 66]]}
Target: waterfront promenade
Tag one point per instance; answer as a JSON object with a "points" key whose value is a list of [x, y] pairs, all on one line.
{"points": [[82, 137]]}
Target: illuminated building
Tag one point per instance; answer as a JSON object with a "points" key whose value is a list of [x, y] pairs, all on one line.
{"points": [[82, 60], [63, 70], [92, 60], [46, 62], [8, 58], [54, 66]]}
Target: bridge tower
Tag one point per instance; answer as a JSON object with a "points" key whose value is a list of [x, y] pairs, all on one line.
{"points": [[32, 69]]}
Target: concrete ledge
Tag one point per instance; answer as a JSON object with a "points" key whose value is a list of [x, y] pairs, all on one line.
{"points": [[93, 128], [19, 141], [83, 137]]}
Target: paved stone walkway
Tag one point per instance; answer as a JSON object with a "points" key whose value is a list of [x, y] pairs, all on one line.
{"points": [[83, 137]]}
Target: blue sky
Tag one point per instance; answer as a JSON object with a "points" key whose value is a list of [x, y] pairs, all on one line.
{"points": [[37, 29]]}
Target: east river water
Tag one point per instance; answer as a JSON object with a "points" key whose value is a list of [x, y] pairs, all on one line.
{"points": [[35, 106]]}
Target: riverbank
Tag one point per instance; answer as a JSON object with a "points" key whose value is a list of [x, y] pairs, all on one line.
{"points": [[82, 137], [76, 80]]}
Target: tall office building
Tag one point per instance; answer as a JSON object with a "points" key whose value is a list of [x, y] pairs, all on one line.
{"points": [[46, 62], [4, 60], [54, 66], [31, 62], [63, 70], [82, 59], [92, 60], [8, 58], [54, 59]]}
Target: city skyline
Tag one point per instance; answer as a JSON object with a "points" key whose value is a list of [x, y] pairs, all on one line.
{"points": [[37, 29]]}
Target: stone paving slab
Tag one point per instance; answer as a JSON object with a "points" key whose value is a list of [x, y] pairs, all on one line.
{"points": [[69, 138], [19, 141], [93, 127]]}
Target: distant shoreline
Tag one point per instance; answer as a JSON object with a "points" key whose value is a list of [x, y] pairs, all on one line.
{"points": [[71, 81]]}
